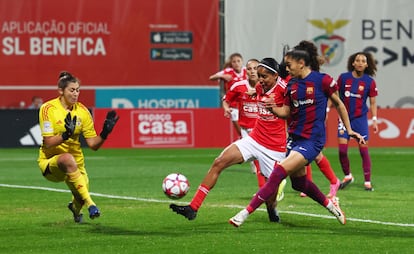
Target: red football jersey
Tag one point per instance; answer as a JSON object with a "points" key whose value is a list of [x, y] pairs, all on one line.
{"points": [[247, 104], [235, 77], [270, 131]]}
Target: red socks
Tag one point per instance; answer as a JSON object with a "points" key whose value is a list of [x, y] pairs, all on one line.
{"points": [[199, 197], [326, 169]]}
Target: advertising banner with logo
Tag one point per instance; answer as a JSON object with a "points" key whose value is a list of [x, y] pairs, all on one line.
{"points": [[156, 128], [158, 97], [198, 128], [395, 129], [124, 43], [338, 28]]}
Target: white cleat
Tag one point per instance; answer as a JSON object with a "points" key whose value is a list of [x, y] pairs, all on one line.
{"points": [[239, 218], [334, 208]]}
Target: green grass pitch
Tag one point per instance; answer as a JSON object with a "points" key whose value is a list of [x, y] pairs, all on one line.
{"points": [[126, 185]]}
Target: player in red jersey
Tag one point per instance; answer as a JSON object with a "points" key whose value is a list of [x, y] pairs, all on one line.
{"points": [[239, 92], [265, 143], [233, 72]]}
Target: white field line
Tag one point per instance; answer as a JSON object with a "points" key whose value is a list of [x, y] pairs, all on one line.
{"points": [[227, 206]]}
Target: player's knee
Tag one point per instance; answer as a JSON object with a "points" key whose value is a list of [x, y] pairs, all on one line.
{"points": [[67, 163], [219, 163]]}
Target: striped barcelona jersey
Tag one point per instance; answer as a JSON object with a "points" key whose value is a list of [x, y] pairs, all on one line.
{"points": [[354, 92], [308, 99], [270, 131], [247, 104], [52, 122]]}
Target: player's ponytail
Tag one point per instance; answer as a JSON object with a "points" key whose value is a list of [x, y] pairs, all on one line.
{"points": [[65, 78], [307, 52]]}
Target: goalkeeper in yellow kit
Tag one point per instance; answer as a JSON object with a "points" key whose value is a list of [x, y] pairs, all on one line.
{"points": [[62, 121]]}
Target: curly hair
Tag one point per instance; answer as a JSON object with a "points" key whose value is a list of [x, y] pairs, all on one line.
{"points": [[372, 66]]}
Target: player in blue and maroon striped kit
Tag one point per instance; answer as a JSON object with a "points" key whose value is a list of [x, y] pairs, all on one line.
{"points": [[355, 87], [305, 103]]}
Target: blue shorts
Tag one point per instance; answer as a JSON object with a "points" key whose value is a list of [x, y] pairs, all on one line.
{"points": [[308, 148], [359, 125]]}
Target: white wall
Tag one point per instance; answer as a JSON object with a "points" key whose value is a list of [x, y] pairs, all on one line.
{"points": [[260, 28]]}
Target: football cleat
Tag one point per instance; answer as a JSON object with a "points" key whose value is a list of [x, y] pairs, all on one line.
{"points": [[303, 195], [334, 188], [94, 212], [185, 211], [77, 217], [368, 187], [273, 215], [280, 191], [334, 208], [239, 218], [346, 182]]}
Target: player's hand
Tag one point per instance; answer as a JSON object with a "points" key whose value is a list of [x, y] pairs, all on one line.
{"points": [[251, 92], [269, 102], [358, 137], [109, 123], [227, 112], [375, 126], [70, 124]]}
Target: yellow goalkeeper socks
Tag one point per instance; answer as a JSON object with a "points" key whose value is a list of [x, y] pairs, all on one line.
{"points": [[77, 184]]}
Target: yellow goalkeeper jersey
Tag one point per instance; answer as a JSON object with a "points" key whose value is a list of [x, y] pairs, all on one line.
{"points": [[52, 122]]}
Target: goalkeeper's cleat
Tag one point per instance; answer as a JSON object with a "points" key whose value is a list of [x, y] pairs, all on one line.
{"points": [[77, 216], [93, 212], [185, 211], [303, 195], [239, 218], [334, 188], [281, 190], [273, 215], [334, 208], [347, 180], [368, 186]]}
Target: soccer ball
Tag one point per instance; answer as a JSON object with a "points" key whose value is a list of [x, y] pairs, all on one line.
{"points": [[175, 185]]}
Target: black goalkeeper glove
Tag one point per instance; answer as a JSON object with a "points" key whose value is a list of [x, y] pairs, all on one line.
{"points": [[70, 124], [110, 121]]}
